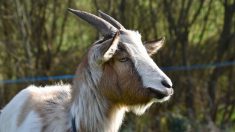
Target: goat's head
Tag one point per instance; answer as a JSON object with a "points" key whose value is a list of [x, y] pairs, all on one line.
{"points": [[121, 65]]}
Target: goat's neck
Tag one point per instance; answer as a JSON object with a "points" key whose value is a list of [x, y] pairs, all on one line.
{"points": [[91, 111]]}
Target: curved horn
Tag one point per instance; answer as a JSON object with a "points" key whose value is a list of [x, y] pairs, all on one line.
{"points": [[111, 20], [103, 26]]}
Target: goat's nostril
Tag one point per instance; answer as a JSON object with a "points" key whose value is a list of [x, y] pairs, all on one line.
{"points": [[166, 84]]}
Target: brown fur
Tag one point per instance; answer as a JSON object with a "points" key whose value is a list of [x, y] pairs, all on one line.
{"points": [[120, 82]]}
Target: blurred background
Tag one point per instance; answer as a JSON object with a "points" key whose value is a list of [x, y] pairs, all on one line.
{"points": [[40, 39]]}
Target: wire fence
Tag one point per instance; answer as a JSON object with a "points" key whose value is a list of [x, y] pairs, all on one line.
{"points": [[168, 68]]}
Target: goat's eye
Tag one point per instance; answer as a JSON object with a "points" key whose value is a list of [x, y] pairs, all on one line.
{"points": [[124, 59]]}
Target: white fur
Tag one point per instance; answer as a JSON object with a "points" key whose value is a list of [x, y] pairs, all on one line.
{"points": [[33, 121], [8, 117], [150, 73], [140, 109], [31, 124]]}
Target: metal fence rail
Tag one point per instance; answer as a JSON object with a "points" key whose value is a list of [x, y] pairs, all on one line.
{"points": [[168, 68]]}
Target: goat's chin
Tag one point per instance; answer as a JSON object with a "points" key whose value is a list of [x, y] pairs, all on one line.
{"points": [[140, 109], [162, 99]]}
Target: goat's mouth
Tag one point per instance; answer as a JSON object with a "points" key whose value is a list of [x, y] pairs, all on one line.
{"points": [[160, 95]]}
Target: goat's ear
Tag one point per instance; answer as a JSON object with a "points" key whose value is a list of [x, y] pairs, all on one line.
{"points": [[109, 48], [153, 46]]}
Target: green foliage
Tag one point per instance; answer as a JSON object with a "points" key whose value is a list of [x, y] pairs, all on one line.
{"points": [[177, 123]]}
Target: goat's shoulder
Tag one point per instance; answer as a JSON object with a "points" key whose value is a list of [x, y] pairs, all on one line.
{"points": [[48, 102], [49, 97], [48, 93]]}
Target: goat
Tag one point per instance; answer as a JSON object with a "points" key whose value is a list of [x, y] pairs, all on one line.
{"points": [[116, 75]]}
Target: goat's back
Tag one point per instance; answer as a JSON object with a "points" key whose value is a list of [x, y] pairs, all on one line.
{"points": [[34, 108]]}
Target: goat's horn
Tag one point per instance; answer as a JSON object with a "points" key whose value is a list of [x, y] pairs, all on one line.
{"points": [[111, 20], [102, 25]]}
